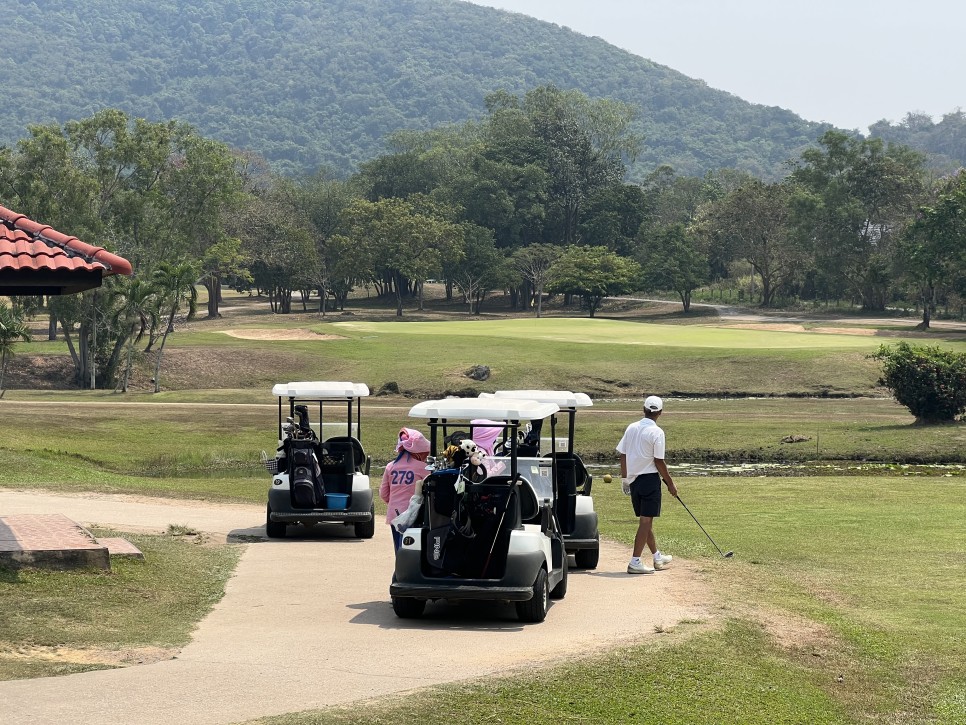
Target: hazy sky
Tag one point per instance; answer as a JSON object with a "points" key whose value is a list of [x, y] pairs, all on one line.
{"points": [[850, 62]]}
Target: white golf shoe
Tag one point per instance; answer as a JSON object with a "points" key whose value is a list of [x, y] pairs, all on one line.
{"points": [[641, 568], [662, 561]]}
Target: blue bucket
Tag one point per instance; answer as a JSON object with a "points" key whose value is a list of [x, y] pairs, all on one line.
{"points": [[337, 501]]}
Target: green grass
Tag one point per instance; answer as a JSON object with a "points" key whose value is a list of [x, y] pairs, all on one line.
{"points": [[154, 603], [730, 676], [211, 451], [872, 563], [599, 356], [872, 566]]}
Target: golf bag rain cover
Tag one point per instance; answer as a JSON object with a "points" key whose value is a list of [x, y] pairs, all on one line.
{"points": [[307, 490]]}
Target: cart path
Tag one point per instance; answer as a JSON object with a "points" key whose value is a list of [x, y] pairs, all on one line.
{"points": [[306, 623]]}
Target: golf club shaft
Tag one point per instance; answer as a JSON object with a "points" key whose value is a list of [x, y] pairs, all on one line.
{"points": [[700, 526]]}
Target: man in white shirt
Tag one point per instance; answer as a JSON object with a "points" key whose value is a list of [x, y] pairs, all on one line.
{"points": [[642, 470]]}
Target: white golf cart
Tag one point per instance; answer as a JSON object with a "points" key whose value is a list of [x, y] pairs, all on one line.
{"points": [[485, 533], [573, 504], [318, 478]]}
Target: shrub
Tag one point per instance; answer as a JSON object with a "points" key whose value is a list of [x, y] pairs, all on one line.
{"points": [[931, 382]]}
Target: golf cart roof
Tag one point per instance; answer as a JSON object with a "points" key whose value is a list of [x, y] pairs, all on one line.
{"points": [[493, 408], [321, 390], [562, 398]]}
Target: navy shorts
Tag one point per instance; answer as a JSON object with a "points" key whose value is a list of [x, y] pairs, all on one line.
{"points": [[646, 494]]}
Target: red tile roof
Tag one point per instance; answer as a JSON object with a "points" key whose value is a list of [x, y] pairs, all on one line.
{"points": [[36, 259]]}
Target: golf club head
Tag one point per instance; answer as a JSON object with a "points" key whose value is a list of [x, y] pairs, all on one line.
{"points": [[729, 554]]}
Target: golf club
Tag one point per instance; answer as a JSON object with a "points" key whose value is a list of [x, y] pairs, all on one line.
{"points": [[724, 554]]}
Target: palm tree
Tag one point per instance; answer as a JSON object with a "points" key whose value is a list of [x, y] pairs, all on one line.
{"points": [[13, 328], [137, 310], [177, 284]]}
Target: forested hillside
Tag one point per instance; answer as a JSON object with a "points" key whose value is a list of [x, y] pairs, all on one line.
{"points": [[321, 82], [943, 142]]}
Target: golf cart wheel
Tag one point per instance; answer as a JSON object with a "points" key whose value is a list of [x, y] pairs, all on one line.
{"points": [[535, 609], [587, 558], [273, 529], [367, 529], [407, 607], [560, 591]]}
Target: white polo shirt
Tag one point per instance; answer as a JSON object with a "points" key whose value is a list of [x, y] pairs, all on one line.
{"points": [[643, 441]]}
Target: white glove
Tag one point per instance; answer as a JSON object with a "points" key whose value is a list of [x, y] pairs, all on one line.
{"points": [[626, 485]]}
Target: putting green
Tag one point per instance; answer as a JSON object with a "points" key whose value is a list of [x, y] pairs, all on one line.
{"points": [[617, 332]]}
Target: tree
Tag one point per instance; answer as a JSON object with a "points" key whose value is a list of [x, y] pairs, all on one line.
{"points": [[404, 238], [853, 198], [13, 328], [482, 267], [320, 200], [753, 223], [673, 260], [135, 308], [176, 285], [930, 381], [534, 263], [593, 273], [933, 252], [582, 144]]}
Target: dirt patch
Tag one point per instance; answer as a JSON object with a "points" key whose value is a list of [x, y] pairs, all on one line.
{"points": [[200, 367], [39, 372], [267, 334], [795, 633], [790, 327], [90, 656], [847, 331]]}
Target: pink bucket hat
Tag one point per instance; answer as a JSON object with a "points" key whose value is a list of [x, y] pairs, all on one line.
{"points": [[412, 441], [485, 435]]}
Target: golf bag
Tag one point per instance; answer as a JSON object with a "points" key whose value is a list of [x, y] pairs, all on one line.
{"points": [[304, 472]]}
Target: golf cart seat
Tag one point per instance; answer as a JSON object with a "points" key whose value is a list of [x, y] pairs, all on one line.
{"points": [[337, 463], [572, 479], [349, 443]]}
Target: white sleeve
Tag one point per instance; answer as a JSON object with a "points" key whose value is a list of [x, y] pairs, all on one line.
{"points": [[659, 445], [620, 446]]}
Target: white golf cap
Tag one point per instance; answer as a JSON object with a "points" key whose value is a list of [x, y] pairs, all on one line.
{"points": [[653, 403]]}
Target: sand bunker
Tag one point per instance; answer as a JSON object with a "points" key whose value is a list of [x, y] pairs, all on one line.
{"points": [[786, 327], [265, 334]]}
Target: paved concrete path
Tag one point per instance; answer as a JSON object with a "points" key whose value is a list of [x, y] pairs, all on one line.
{"points": [[306, 623]]}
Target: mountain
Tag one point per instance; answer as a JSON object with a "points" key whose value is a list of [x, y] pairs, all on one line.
{"points": [[321, 82]]}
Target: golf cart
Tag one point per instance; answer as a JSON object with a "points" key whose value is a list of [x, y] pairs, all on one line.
{"points": [[482, 532], [573, 504], [318, 479]]}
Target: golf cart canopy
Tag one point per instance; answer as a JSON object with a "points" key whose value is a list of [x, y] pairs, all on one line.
{"points": [[564, 399], [493, 408], [321, 390]]}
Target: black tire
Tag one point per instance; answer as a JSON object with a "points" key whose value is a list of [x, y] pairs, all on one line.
{"points": [[274, 529], [535, 608], [587, 558], [407, 607], [560, 591], [367, 529]]}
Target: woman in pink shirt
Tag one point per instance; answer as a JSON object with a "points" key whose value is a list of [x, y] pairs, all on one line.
{"points": [[401, 476]]}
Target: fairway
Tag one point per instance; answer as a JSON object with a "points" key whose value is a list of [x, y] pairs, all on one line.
{"points": [[834, 609], [617, 332]]}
